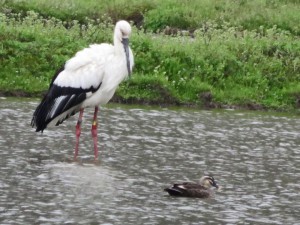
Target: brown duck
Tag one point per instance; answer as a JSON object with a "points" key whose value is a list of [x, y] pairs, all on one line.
{"points": [[202, 189]]}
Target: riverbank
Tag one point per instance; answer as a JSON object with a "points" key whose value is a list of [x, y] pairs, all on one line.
{"points": [[166, 102], [215, 57]]}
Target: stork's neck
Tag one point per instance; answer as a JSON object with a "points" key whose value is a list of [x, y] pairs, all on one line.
{"points": [[119, 49]]}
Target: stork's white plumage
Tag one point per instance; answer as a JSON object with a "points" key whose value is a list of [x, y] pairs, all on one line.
{"points": [[90, 78]]}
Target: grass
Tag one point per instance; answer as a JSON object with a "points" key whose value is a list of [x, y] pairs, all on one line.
{"points": [[156, 14], [242, 52]]}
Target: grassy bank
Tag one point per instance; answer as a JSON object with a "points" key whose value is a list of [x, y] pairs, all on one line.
{"points": [[209, 53]]}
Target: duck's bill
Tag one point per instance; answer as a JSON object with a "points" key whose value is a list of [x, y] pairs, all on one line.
{"points": [[216, 185], [220, 188]]}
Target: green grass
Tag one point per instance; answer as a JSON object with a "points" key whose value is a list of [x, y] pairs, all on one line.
{"points": [[156, 14], [242, 52]]}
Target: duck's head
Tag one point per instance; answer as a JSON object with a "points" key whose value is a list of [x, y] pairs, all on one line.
{"points": [[208, 182]]}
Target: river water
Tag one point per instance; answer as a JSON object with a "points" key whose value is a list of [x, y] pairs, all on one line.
{"points": [[254, 156]]}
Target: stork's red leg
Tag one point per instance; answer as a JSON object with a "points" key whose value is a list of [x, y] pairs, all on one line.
{"points": [[78, 132], [94, 132]]}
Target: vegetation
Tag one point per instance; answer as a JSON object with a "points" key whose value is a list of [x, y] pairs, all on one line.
{"points": [[211, 53]]}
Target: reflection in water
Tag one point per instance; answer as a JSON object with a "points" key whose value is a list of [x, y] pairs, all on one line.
{"points": [[254, 157]]}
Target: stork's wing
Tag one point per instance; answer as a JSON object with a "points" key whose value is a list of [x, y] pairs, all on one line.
{"points": [[78, 79], [86, 69]]}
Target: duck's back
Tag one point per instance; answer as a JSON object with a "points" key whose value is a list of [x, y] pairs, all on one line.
{"points": [[188, 189]]}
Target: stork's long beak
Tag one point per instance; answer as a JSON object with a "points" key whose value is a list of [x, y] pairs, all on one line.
{"points": [[125, 42]]}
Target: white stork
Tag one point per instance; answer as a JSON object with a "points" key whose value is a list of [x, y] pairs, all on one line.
{"points": [[90, 78]]}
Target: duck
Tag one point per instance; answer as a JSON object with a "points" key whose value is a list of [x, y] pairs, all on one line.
{"points": [[204, 188]]}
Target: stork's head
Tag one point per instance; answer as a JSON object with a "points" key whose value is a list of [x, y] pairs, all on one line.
{"points": [[123, 29], [122, 33], [208, 182]]}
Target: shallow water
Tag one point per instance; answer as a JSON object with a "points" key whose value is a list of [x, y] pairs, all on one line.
{"points": [[255, 157]]}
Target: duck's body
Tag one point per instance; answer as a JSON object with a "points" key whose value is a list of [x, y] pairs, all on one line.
{"points": [[202, 189]]}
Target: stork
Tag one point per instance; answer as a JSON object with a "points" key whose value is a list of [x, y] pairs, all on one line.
{"points": [[89, 79]]}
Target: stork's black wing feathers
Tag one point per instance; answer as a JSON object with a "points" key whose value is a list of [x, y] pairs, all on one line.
{"points": [[57, 101]]}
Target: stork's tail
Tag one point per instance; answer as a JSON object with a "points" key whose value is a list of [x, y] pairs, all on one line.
{"points": [[39, 120]]}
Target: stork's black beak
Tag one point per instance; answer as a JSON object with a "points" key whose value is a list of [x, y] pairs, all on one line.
{"points": [[125, 42]]}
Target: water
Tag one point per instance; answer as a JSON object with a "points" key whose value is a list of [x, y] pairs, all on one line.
{"points": [[255, 157]]}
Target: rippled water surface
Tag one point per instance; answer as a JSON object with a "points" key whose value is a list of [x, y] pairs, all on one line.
{"points": [[255, 157]]}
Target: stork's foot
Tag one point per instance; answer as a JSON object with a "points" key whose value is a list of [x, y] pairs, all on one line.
{"points": [[69, 160], [82, 160], [96, 161]]}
